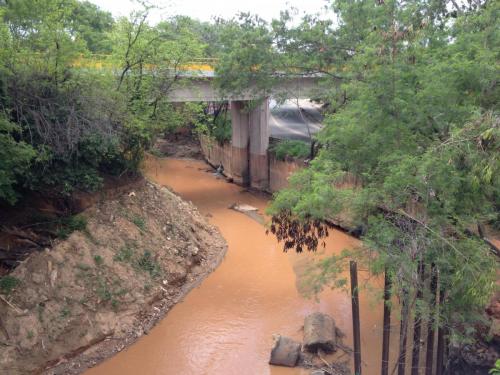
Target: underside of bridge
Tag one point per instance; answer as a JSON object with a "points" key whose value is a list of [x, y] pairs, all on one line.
{"points": [[250, 121]]}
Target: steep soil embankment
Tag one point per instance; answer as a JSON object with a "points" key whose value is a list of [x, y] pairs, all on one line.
{"points": [[102, 288]]}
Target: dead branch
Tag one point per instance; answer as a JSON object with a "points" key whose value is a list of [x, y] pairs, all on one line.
{"points": [[15, 308]]}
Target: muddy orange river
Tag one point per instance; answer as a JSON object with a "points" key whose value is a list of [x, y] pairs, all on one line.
{"points": [[225, 325]]}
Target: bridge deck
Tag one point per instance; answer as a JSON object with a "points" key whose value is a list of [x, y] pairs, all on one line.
{"points": [[196, 83]]}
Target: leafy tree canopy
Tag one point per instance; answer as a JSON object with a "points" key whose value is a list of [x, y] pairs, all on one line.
{"points": [[413, 126], [71, 122]]}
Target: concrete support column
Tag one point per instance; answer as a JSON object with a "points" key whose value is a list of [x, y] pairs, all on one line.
{"points": [[250, 140], [259, 143], [240, 143]]}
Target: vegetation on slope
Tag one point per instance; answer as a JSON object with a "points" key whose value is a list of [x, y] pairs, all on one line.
{"points": [[412, 93]]}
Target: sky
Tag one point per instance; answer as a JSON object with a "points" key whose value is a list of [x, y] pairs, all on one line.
{"points": [[204, 10]]}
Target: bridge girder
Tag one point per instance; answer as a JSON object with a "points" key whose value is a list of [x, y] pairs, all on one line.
{"points": [[195, 89]]}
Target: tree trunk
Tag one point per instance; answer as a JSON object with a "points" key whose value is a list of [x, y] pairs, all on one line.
{"points": [[441, 338], [403, 334], [430, 329], [387, 324], [417, 324], [355, 317]]}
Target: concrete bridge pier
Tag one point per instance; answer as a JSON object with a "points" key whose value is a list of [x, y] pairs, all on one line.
{"points": [[259, 143], [250, 140], [240, 142]]}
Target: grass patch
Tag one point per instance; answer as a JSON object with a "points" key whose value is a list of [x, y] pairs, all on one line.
{"points": [[98, 282], [103, 290], [110, 291], [115, 304], [144, 262], [148, 264], [99, 261], [83, 267], [139, 222], [290, 148], [70, 224], [125, 254], [65, 312], [156, 152], [8, 284]]}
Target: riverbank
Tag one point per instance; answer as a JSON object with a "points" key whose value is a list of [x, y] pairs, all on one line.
{"points": [[97, 292], [226, 325]]}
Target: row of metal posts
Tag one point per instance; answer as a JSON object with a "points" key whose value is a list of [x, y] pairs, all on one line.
{"points": [[417, 327]]}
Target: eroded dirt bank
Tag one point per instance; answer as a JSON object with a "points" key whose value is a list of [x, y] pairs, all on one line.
{"points": [[104, 287], [225, 326]]}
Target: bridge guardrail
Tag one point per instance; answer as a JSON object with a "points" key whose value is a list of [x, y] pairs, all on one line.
{"points": [[107, 61], [103, 61]]}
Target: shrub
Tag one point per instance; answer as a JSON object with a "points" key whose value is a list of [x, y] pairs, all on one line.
{"points": [[139, 222], [496, 369], [67, 134], [8, 283], [15, 158], [148, 264], [74, 126], [217, 127], [99, 261], [293, 149], [69, 224], [125, 254], [221, 129]]}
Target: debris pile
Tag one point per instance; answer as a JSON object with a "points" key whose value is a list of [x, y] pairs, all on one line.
{"points": [[321, 341]]}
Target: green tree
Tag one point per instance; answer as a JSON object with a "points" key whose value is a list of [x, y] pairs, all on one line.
{"points": [[152, 61], [44, 35], [93, 25], [416, 124], [247, 58], [71, 117], [15, 157]]}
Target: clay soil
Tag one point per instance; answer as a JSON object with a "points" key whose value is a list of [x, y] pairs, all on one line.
{"points": [[97, 292]]}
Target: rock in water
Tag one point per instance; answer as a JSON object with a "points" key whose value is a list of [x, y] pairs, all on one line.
{"points": [[244, 208], [285, 351], [319, 333]]}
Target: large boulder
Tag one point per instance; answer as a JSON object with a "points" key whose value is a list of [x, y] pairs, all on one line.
{"points": [[319, 333], [285, 351]]}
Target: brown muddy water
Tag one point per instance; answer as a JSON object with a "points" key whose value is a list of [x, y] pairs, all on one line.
{"points": [[225, 326]]}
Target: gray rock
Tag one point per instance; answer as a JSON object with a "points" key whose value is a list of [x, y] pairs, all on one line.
{"points": [[38, 278], [285, 351], [319, 333]]}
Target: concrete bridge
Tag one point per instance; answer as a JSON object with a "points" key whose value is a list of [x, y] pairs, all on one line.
{"points": [[194, 82], [250, 123]]}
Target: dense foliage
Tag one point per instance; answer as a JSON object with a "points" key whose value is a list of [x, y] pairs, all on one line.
{"points": [[411, 145], [291, 149], [82, 94], [415, 120]]}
